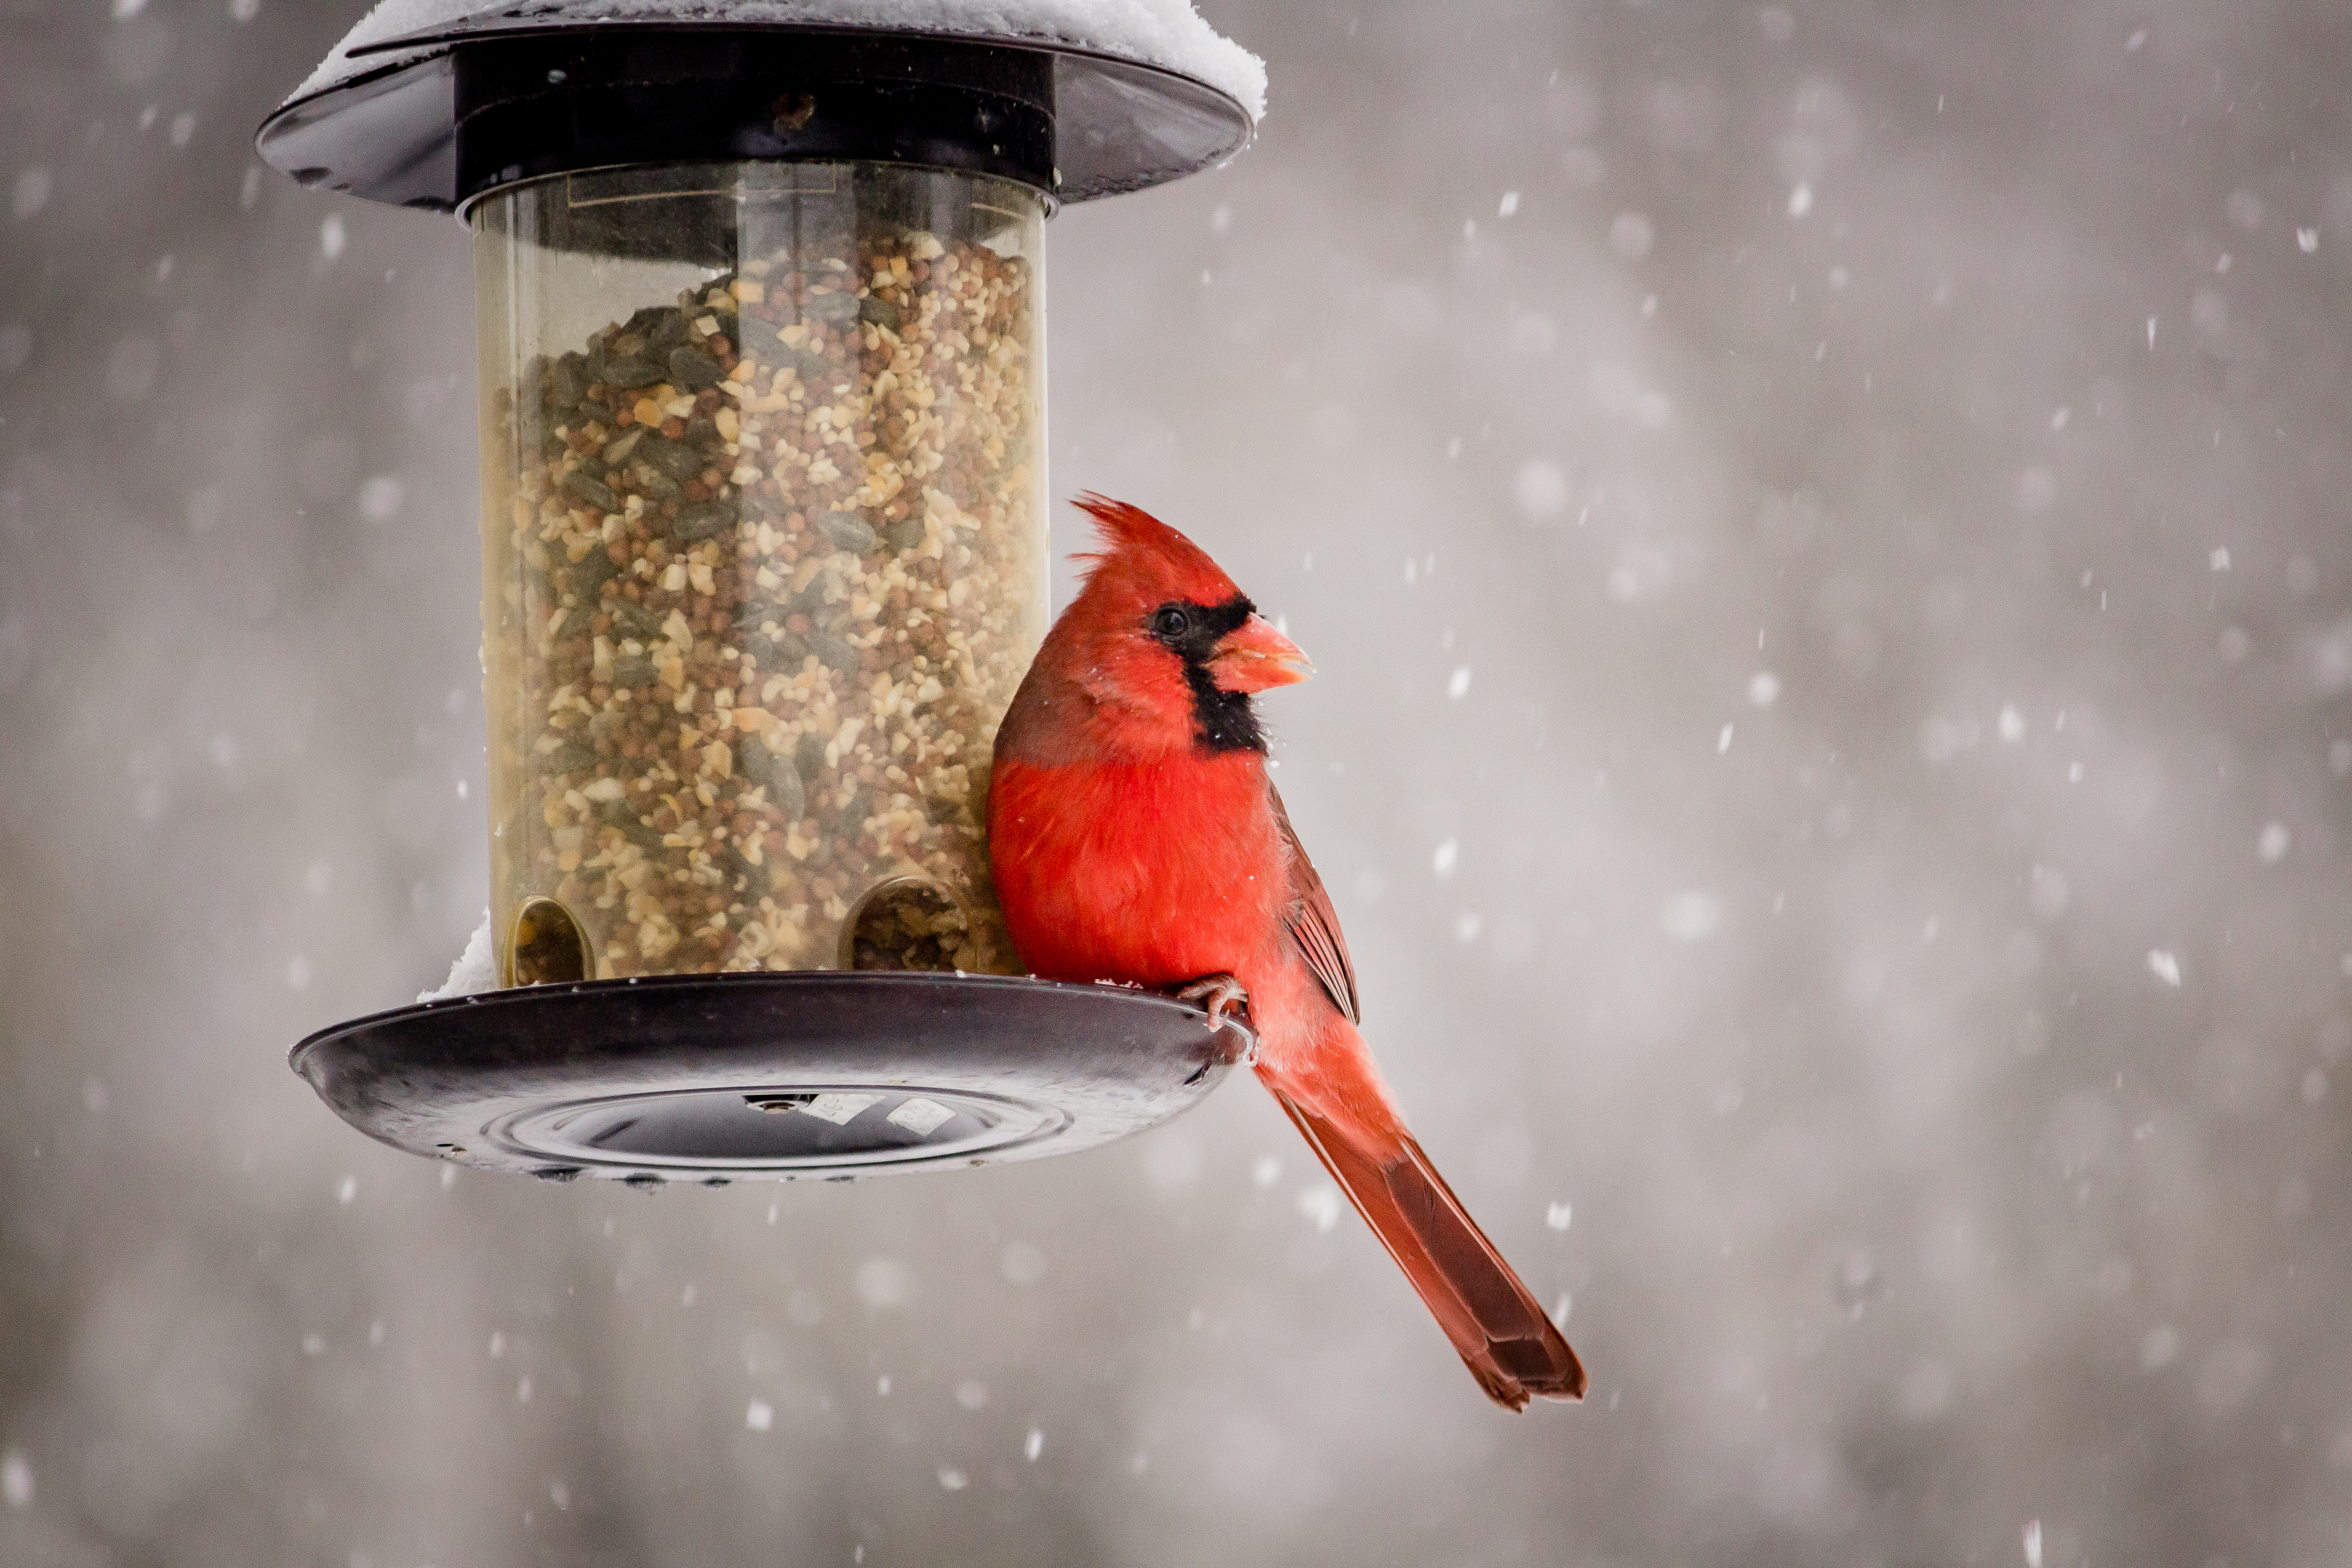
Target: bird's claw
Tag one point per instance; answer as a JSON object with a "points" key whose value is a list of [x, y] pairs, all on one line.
{"points": [[1222, 997], [1217, 995]]}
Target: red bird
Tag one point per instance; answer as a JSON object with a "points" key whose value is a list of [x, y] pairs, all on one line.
{"points": [[1135, 838]]}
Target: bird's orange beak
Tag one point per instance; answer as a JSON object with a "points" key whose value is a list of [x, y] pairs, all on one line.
{"points": [[1254, 657]]}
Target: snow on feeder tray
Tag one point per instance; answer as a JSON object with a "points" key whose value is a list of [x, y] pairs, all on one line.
{"points": [[759, 292]]}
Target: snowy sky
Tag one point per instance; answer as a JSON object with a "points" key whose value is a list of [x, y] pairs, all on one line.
{"points": [[1821, 529]]}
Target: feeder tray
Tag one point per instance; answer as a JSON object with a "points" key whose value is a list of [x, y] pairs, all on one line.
{"points": [[779, 1077]]}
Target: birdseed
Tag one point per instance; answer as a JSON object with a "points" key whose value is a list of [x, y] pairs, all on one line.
{"points": [[770, 570]]}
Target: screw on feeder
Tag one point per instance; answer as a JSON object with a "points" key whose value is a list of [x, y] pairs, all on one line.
{"points": [[764, 503]]}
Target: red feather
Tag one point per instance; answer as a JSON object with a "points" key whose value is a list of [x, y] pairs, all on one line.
{"points": [[1125, 848]]}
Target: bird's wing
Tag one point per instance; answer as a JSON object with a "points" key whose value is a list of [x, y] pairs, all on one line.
{"points": [[1313, 923]]}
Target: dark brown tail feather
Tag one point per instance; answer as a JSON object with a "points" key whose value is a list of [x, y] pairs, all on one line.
{"points": [[1511, 1347]]}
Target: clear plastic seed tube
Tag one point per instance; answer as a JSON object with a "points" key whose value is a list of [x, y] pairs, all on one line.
{"points": [[764, 555]]}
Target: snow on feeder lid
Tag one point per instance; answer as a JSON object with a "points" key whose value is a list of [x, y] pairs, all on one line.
{"points": [[427, 103], [759, 289]]}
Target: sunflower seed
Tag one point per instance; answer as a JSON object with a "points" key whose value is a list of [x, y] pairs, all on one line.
{"points": [[592, 572], [617, 814], [616, 450], [809, 365], [782, 779], [662, 327], [631, 373], [835, 309], [833, 651], [703, 520], [636, 620], [569, 758], [692, 369], [568, 377], [651, 481], [781, 651], [594, 491], [848, 531], [672, 457]]}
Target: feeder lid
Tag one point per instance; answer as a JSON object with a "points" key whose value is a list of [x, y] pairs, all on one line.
{"points": [[1127, 94], [825, 1074]]}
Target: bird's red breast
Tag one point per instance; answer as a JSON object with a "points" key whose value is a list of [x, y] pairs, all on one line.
{"points": [[1081, 853]]}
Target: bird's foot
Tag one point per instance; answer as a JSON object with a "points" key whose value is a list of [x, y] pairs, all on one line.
{"points": [[1219, 995], [1222, 997]]}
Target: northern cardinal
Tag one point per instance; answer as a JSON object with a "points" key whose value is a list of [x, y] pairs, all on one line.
{"points": [[1135, 838]]}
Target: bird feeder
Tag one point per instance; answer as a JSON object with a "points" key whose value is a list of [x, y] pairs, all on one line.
{"points": [[762, 352]]}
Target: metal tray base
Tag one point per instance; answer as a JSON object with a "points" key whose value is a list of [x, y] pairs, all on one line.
{"points": [[784, 1077]]}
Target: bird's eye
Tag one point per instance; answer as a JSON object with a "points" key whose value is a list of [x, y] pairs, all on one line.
{"points": [[1171, 622]]}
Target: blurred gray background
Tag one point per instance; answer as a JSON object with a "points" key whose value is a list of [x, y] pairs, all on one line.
{"points": [[1823, 531]]}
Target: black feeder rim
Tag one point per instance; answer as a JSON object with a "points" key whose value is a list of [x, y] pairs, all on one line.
{"points": [[494, 100], [800, 1075]]}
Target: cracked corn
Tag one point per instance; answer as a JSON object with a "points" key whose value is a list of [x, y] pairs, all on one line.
{"points": [[779, 558]]}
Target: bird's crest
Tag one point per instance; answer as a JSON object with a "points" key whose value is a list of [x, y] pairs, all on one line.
{"points": [[1143, 555]]}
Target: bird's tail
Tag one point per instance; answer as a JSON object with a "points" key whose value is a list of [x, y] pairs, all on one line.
{"points": [[1512, 1348]]}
